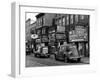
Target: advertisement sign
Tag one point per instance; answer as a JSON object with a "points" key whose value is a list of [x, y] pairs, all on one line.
{"points": [[60, 29], [45, 50], [44, 39], [34, 36], [79, 34], [60, 36], [38, 40], [52, 37]]}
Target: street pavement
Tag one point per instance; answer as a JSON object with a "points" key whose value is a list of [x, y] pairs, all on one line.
{"points": [[32, 61]]}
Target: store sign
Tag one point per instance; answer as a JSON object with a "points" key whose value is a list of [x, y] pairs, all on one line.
{"points": [[79, 34], [44, 39], [60, 36], [60, 29], [52, 37], [52, 31], [45, 50], [34, 36], [38, 40]]}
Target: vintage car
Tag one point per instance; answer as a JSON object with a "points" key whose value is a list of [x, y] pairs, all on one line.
{"points": [[67, 53], [42, 52]]}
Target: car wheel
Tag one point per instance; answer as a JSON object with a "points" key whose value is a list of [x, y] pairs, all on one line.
{"points": [[56, 57], [35, 55], [48, 56], [79, 60]]}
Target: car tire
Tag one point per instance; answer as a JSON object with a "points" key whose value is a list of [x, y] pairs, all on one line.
{"points": [[79, 60], [56, 57], [35, 55], [48, 56]]}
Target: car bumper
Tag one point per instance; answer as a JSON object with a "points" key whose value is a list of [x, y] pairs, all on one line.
{"points": [[41, 54]]}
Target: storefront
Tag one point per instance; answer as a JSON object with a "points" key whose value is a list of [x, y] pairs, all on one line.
{"points": [[52, 39], [79, 36]]}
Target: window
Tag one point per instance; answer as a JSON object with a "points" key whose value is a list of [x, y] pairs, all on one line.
{"points": [[38, 32], [63, 21], [39, 22], [81, 17], [71, 19], [67, 19], [43, 21], [76, 18], [43, 31], [60, 22], [57, 21]]}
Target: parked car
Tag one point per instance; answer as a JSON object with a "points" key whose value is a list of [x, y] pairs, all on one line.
{"points": [[42, 52], [67, 53]]}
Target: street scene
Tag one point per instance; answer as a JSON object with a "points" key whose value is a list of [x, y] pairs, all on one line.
{"points": [[54, 39]]}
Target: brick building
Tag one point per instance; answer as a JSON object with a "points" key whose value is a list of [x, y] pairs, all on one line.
{"points": [[76, 28], [27, 29], [43, 22]]}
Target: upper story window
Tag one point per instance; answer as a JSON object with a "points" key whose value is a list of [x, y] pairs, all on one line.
{"points": [[67, 20], [43, 20], [81, 17], [39, 22], [38, 32], [76, 18], [59, 22], [71, 18], [43, 31], [63, 21], [55, 20]]}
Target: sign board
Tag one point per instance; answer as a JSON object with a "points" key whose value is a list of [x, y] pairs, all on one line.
{"points": [[44, 39], [79, 34], [45, 50], [60, 36], [60, 29], [38, 40], [34, 36], [52, 37]]}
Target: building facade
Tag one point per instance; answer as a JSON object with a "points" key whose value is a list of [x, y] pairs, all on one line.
{"points": [[76, 30], [27, 29], [44, 21], [55, 29]]}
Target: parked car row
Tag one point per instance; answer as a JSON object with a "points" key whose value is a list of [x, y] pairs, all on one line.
{"points": [[64, 52]]}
